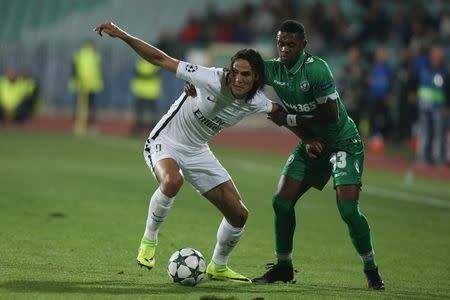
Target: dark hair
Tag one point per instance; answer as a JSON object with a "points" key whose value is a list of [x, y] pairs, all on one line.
{"points": [[292, 26], [256, 62]]}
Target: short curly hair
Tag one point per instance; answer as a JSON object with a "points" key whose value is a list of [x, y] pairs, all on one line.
{"points": [[293, 26]]}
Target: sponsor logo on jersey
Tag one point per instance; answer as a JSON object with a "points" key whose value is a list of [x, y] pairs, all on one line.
{"points": [[340, 174], [326, 85], [279, 82], [304, 85], [309, 60], [215, 124], [191, 68], [307, 107], [210, 98]]}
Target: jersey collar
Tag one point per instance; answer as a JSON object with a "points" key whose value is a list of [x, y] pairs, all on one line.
{"points": [[297, 65]]}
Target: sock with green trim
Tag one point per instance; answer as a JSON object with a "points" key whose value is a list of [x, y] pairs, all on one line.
{"points": [[359, 231], [284, 229]]}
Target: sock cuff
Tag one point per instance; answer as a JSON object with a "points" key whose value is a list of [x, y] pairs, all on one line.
{"points": [[230, 227], [163, 198]]}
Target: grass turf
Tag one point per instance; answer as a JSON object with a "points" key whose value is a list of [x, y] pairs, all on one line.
{"points": [[72, 212]]}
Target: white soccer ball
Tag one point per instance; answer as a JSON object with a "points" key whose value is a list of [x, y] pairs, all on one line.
{"points": [[187, 266]]}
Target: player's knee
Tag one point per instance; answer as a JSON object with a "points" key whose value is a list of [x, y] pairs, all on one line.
{"points": [[281, 206], [348, 210], [170, 184], [239, 217]]}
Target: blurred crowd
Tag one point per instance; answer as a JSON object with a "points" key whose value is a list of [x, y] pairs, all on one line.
{"points": [[390, 59], [394, 72]]}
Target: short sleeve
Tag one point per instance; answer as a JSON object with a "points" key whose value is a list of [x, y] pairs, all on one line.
{"points": [[269, 71], [198, 75], [322, 81], [260, 103]]}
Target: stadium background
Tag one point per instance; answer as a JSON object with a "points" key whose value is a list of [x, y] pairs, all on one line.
{"points": [[43, 35]]}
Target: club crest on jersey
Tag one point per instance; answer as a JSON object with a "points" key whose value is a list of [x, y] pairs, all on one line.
{"points": [[191, 68], [304, 86]]}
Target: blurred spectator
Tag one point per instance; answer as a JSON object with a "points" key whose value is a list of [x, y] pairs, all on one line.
{"points": [[87, 83], [32, 92], [146, 88], [375, 23], [18, 96], [353, 84], [192, 31], [433, 94], [405, 98], [263, 20], [380, 81]]}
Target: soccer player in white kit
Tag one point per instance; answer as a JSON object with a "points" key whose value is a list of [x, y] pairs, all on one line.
{"points": [[179, 142]]}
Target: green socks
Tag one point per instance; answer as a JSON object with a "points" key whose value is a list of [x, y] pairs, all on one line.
{"points": [[359, 231], [284, 219], [358, 228]]}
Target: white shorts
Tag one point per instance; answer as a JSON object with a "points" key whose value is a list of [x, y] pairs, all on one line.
{"points": [[199, 166]]}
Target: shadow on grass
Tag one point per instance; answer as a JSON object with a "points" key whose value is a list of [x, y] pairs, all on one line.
{"points": [[207, 288]]}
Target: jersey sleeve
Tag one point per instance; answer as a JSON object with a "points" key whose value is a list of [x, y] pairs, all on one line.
{"points": [[198, 75], [268, 71], [260, 103], [322, 81]]}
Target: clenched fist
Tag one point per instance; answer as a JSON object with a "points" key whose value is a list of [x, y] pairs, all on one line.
{"points": [[315, 147]]}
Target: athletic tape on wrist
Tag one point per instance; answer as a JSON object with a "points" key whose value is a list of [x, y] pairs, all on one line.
{"points": [[291, 120]]}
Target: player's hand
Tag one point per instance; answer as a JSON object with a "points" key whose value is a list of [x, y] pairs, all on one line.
{"points": [[315, 147], [278, 117], [189, 89], [109, 28]]}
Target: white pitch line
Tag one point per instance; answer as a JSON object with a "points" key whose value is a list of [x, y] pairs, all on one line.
{"points": [[372, 190]]}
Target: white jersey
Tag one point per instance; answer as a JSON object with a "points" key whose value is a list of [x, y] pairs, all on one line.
{"points": [[193, 121]]}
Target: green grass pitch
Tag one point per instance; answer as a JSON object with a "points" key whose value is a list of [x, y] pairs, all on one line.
{"points": [[72, 212]]}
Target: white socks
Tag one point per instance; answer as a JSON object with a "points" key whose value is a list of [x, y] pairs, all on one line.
{"points": [[158, 210], [227, 238]]}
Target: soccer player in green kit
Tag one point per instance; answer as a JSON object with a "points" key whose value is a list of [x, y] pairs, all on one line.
{"points": [[330, 146]]}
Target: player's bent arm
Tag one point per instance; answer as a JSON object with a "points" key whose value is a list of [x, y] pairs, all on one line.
{"points": [[275, 107], [146, 51], [325, 113]]}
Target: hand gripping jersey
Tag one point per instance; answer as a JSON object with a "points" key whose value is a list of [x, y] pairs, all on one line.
{"points": [[307, 84], [193, 121]]}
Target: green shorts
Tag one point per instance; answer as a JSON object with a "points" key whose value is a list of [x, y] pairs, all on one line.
{"points": [[344, 162]]}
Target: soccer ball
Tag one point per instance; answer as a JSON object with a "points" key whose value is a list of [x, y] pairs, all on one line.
{"points": [[187, 266]]}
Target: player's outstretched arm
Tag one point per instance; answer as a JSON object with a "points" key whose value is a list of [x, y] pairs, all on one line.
{"points": [[145, 50]]}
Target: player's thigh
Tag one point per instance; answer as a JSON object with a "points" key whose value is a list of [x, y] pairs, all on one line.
{"points": [[347, 168], [202, 169], [302, 172], [162, 158]]}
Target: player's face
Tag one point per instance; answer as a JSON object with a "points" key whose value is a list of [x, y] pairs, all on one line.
{"points": [[242, 78], [289, 46]]}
